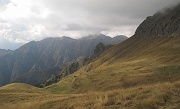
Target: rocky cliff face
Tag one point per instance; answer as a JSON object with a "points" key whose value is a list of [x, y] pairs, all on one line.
{"points": [[99, 49], [163, 23]]}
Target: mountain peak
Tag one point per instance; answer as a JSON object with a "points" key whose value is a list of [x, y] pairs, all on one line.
{"points": [[120, 36], [66, 37], [162, 24], [94, 36]]}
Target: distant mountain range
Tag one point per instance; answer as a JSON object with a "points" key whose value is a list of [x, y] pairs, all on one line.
{"points": [[4, 52], [35, 62]]}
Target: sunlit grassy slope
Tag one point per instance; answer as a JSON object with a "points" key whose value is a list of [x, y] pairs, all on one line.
{"points": [[140, 73]]}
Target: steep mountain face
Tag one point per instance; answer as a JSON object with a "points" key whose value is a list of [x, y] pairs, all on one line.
{"points": [[4, 77], [163, 23], [80, 62], [73, 66], [4, 52], [35, 62]]}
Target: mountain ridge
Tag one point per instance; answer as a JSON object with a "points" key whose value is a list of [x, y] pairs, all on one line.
{"points": [[51, 53]]}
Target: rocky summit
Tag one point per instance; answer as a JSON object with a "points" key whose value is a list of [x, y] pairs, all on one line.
{"points": [[163, 23]]}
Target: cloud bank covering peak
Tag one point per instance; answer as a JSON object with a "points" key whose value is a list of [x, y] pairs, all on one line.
{"points": [[22, 21]]}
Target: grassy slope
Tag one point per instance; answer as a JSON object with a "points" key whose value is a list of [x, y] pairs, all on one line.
{"points": [[134, 62], [138, 73]]}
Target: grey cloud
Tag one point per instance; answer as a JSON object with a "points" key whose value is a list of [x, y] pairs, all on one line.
{"points": [[74, 27], [108, 12], [133, 8], [76, 18]]}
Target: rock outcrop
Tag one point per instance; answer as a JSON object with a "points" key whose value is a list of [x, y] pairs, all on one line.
{"points": [[164, 23]]}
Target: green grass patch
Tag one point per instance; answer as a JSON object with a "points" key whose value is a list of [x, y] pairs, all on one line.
{"points": [[166, 74], [168, 71]]}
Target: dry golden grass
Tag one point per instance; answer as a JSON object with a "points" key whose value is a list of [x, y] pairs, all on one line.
{"points": [[136, 74], [159, 95]]}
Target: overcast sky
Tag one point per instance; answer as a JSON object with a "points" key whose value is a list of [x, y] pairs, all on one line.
{"points": [[22, 21]]}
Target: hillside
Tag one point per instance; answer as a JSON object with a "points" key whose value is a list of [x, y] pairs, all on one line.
{"points": [[19, 88], [35, 62]]}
